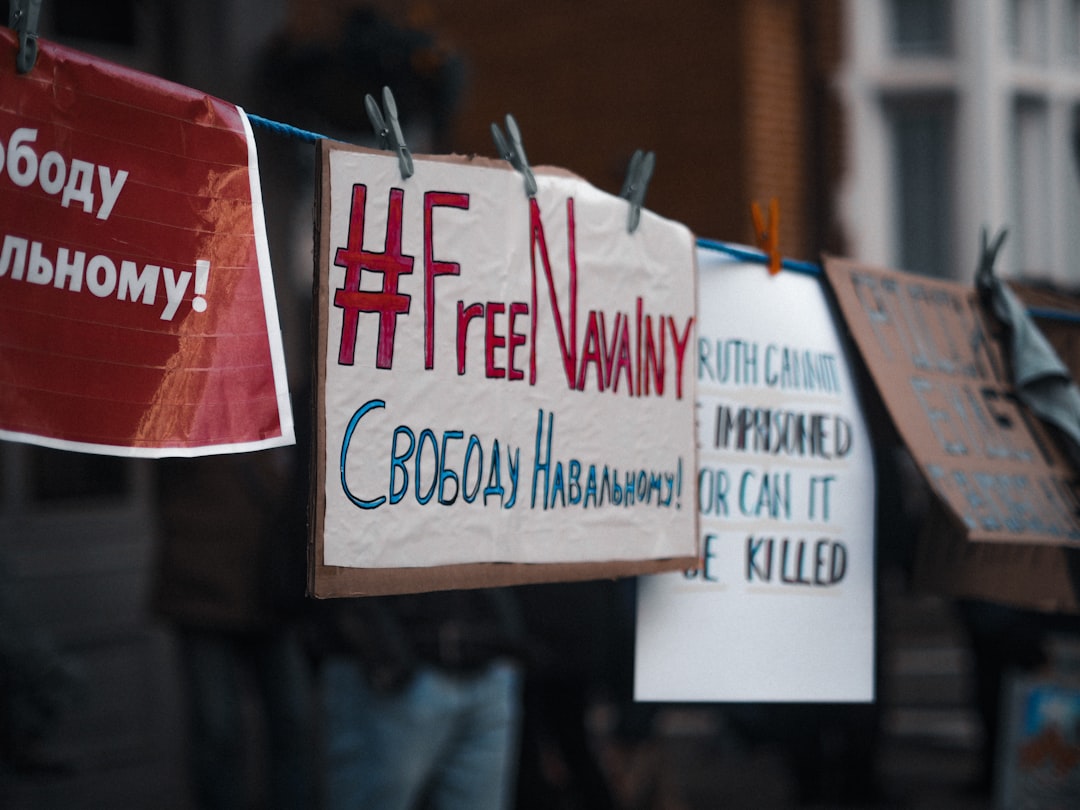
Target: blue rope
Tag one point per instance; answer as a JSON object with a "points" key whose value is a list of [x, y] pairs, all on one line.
{"points": [[285, 129], [750, 255], [1054, 314]]}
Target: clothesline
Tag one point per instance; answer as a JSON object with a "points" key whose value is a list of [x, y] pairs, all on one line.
{"points": [[736, 251]]}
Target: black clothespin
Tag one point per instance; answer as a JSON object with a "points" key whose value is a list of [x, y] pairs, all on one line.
{"points": [[388, 130], [23, 19], [636, 184], [989, 253], [984, 272], [513, 152]]}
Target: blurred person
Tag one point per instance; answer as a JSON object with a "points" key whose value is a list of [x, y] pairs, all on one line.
{"points": [[230, 582], [421, 700], [39, 684], [577, 659]]}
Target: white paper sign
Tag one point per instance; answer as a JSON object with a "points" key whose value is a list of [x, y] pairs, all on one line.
{"points": [[506, 379], [782, 605]]}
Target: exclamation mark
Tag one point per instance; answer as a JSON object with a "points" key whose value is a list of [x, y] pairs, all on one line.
{"points": [[678, 485], [202, 276]]}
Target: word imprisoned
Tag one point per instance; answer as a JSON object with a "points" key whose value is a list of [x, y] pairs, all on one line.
{"points": [[637, 352]]}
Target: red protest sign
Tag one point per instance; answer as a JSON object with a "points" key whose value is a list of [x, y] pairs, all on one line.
{"points": [[137, 312]]}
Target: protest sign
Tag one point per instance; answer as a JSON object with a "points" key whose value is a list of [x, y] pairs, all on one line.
{"points": [[942, 372], [505, 391], [137, 311], [1035, 576], [781, 605]]}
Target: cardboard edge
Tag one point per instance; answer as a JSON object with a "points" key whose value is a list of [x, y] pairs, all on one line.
{"points": [[320, 302], [1022, 575], [333, 581]]}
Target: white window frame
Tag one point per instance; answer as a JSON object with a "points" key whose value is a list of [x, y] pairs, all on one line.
{"points": [[988, 81]]}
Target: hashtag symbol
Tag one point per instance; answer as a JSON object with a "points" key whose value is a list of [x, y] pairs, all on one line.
{"points": [[388, 302]]}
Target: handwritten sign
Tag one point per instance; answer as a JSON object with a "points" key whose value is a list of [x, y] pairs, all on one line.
{"points": [[781, 605], [942, 373], [503, 379], [137, 312]]}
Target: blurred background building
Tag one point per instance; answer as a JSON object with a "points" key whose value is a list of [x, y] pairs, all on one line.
{"points": [[962, 114], [889, 131]]}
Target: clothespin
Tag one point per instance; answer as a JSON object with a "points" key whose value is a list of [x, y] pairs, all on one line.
{"points": [[513, 152], [636, 184], [767, 234], [24, 16], [388, 130], [985, 282], [989, 253]]}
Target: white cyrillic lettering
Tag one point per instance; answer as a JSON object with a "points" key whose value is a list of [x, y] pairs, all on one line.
{"points": [[110, 189], [22, 162], [69, 272], [52, 163], [175, 287], [17, 246], [80, 185], [133, 283], [101, 276], [39, 269]]}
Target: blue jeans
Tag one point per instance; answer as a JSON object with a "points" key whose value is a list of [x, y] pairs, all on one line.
{"points": [[447, 739]]}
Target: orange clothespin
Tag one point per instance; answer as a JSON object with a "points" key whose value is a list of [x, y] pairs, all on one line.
{"points": [[767, 234]]}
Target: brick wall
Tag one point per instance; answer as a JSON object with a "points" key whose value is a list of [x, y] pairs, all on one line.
{"points": [[728, 93]]}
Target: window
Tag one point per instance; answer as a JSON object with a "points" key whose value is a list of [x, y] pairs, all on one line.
{"points": [[922, 173], [1071, 31], [964, 116], [1029, 31], [1031, 186], [921, 27]]}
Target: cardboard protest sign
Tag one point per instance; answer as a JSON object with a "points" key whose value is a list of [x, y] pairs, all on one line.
{"points": [[505, 391], [1025, 575], [137, 311], [781, 606], [942, 373], [1039, 577]]}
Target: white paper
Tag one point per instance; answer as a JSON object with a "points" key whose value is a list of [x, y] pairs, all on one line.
{"points": [[782, 605]]}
